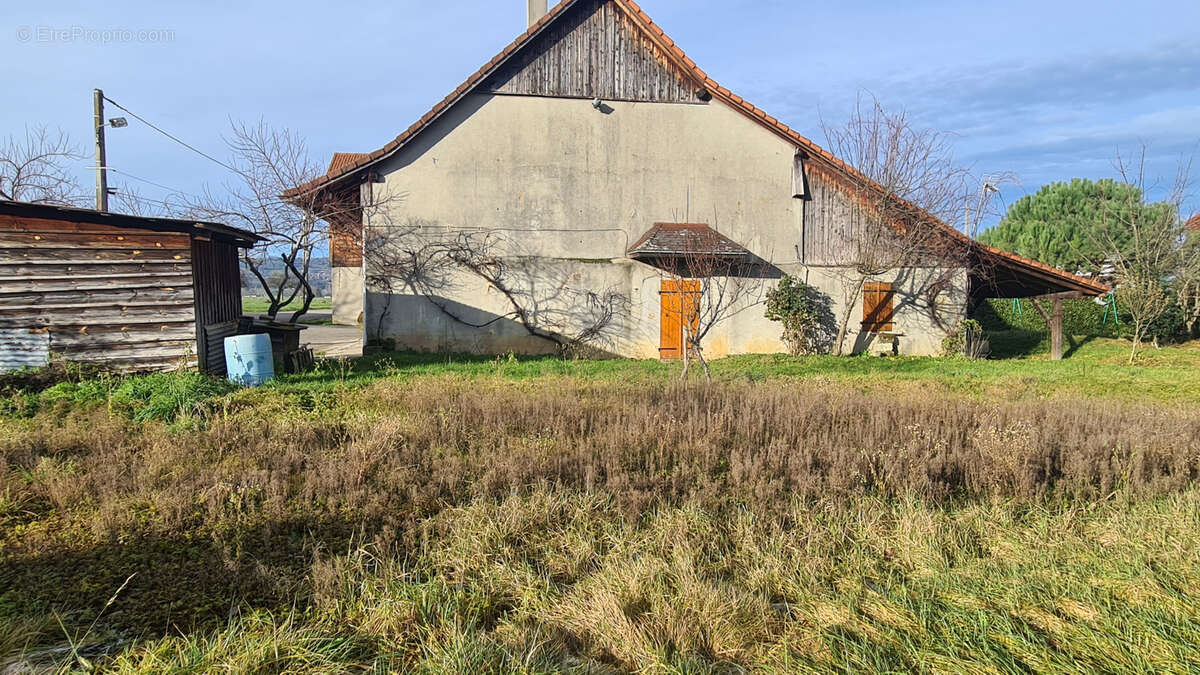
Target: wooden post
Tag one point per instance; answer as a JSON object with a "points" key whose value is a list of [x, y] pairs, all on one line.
{"points": [[101, 155], [1054, 320], [1056, 331]]}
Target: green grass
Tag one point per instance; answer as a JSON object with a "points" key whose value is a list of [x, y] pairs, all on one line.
{"points": [[258, 305], [1098, 368]]}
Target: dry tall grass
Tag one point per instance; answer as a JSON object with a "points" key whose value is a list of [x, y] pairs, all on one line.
{"points": [[564, 583], [634, 526]]}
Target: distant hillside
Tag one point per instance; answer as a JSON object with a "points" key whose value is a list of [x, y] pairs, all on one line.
{"points": [[319, 275]]}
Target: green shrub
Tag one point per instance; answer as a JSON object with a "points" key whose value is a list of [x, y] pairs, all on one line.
{"points": [[157, 397], [809, 326], [966, 340], [78, 393], [1081, 316], [167, 396]]}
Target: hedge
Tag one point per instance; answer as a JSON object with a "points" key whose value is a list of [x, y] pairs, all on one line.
{"points": [[1080, 317]]}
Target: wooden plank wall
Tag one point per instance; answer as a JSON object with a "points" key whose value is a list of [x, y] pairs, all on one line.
{"points": [[123, 297], [595, 53], [830, 220], [215, 271], [345, 235]]}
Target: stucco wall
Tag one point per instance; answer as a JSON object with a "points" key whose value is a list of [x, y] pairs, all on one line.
{"points": [[565, 189], [347, 295]]}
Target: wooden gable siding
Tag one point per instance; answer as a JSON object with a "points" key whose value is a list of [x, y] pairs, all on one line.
{"points": [[834, 219], [831, 220], [595, 52], [123, 297], [345, 239]]}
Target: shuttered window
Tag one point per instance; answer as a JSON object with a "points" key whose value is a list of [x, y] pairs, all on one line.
{"points": [[877, 307], [799, 185]]}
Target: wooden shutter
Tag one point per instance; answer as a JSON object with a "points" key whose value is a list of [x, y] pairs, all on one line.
{"points": [[878, 300], [671, 330], [680, 302], [799, 184]]}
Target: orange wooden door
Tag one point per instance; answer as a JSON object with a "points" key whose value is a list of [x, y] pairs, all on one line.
{"points": [[679, 300]]}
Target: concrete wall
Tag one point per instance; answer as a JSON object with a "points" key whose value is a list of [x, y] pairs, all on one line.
{"points": [[564, 189], [347, 296]]}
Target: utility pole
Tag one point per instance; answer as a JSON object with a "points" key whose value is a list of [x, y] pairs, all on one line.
{"points": [[101, 166]]}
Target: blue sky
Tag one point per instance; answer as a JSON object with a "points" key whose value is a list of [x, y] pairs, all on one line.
{"points": [[1047, 90]]}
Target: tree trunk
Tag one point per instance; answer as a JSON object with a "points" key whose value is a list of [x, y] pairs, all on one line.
{"points": [[1137, 340], [266, 286], [304, 285], [852, 301], [684, 376], [703, 364]]}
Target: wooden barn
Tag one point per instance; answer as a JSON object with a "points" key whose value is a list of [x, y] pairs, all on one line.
{"points": [[130, 292]]}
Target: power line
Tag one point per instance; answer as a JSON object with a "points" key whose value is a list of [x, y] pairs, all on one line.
{"points": [[150, 182], [172, 137]]}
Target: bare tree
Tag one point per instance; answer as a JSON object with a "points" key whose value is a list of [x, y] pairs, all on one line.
{"points": [[39, 169], [427, 260], [906, 186], [1156, 251], [268, 163]]}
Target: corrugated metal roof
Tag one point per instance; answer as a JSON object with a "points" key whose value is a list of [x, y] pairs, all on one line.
{"points": [[70, 214], [23, 348]]}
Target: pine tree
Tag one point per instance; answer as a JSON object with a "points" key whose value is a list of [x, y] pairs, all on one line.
{"points": [[1064, 224]]}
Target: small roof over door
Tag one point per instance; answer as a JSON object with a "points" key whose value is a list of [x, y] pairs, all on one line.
{"points": [[682, 239]]}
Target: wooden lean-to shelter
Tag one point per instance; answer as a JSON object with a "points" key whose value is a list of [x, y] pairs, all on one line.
{"points": [[129, 292]]}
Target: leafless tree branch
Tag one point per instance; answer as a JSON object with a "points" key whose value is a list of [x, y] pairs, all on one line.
{"points": [[906, 188], [38, 168]]}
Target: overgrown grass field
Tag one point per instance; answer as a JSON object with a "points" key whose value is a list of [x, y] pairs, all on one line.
{"points": [[441, 514]]}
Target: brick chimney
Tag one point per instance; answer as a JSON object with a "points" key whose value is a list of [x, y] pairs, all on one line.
{"points": [[537, 9]]}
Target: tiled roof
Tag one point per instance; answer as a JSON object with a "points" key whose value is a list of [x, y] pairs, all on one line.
{"points": [[683, 239], [1193, 223], [677, 55], [346, 161]]}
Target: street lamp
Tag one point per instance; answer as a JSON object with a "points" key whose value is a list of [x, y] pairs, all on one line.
{"points": [[102, 190]]}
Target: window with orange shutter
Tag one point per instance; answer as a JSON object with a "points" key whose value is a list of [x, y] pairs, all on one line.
{"points": [[878, 301]]}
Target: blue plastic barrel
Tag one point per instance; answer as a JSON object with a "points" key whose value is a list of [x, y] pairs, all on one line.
{"points": [[248, 359]]}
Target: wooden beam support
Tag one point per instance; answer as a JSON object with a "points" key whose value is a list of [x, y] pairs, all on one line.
{"points": [[1065, 295], [1056, 331], [1054, 320]]}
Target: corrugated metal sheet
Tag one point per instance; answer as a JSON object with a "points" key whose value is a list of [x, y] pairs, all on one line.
{"points": [[213, 361], [23, 348], [215, 271]]}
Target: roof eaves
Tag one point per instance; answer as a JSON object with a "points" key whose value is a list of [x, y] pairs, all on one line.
{"points": [[76, 214], [1085, 284]]}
